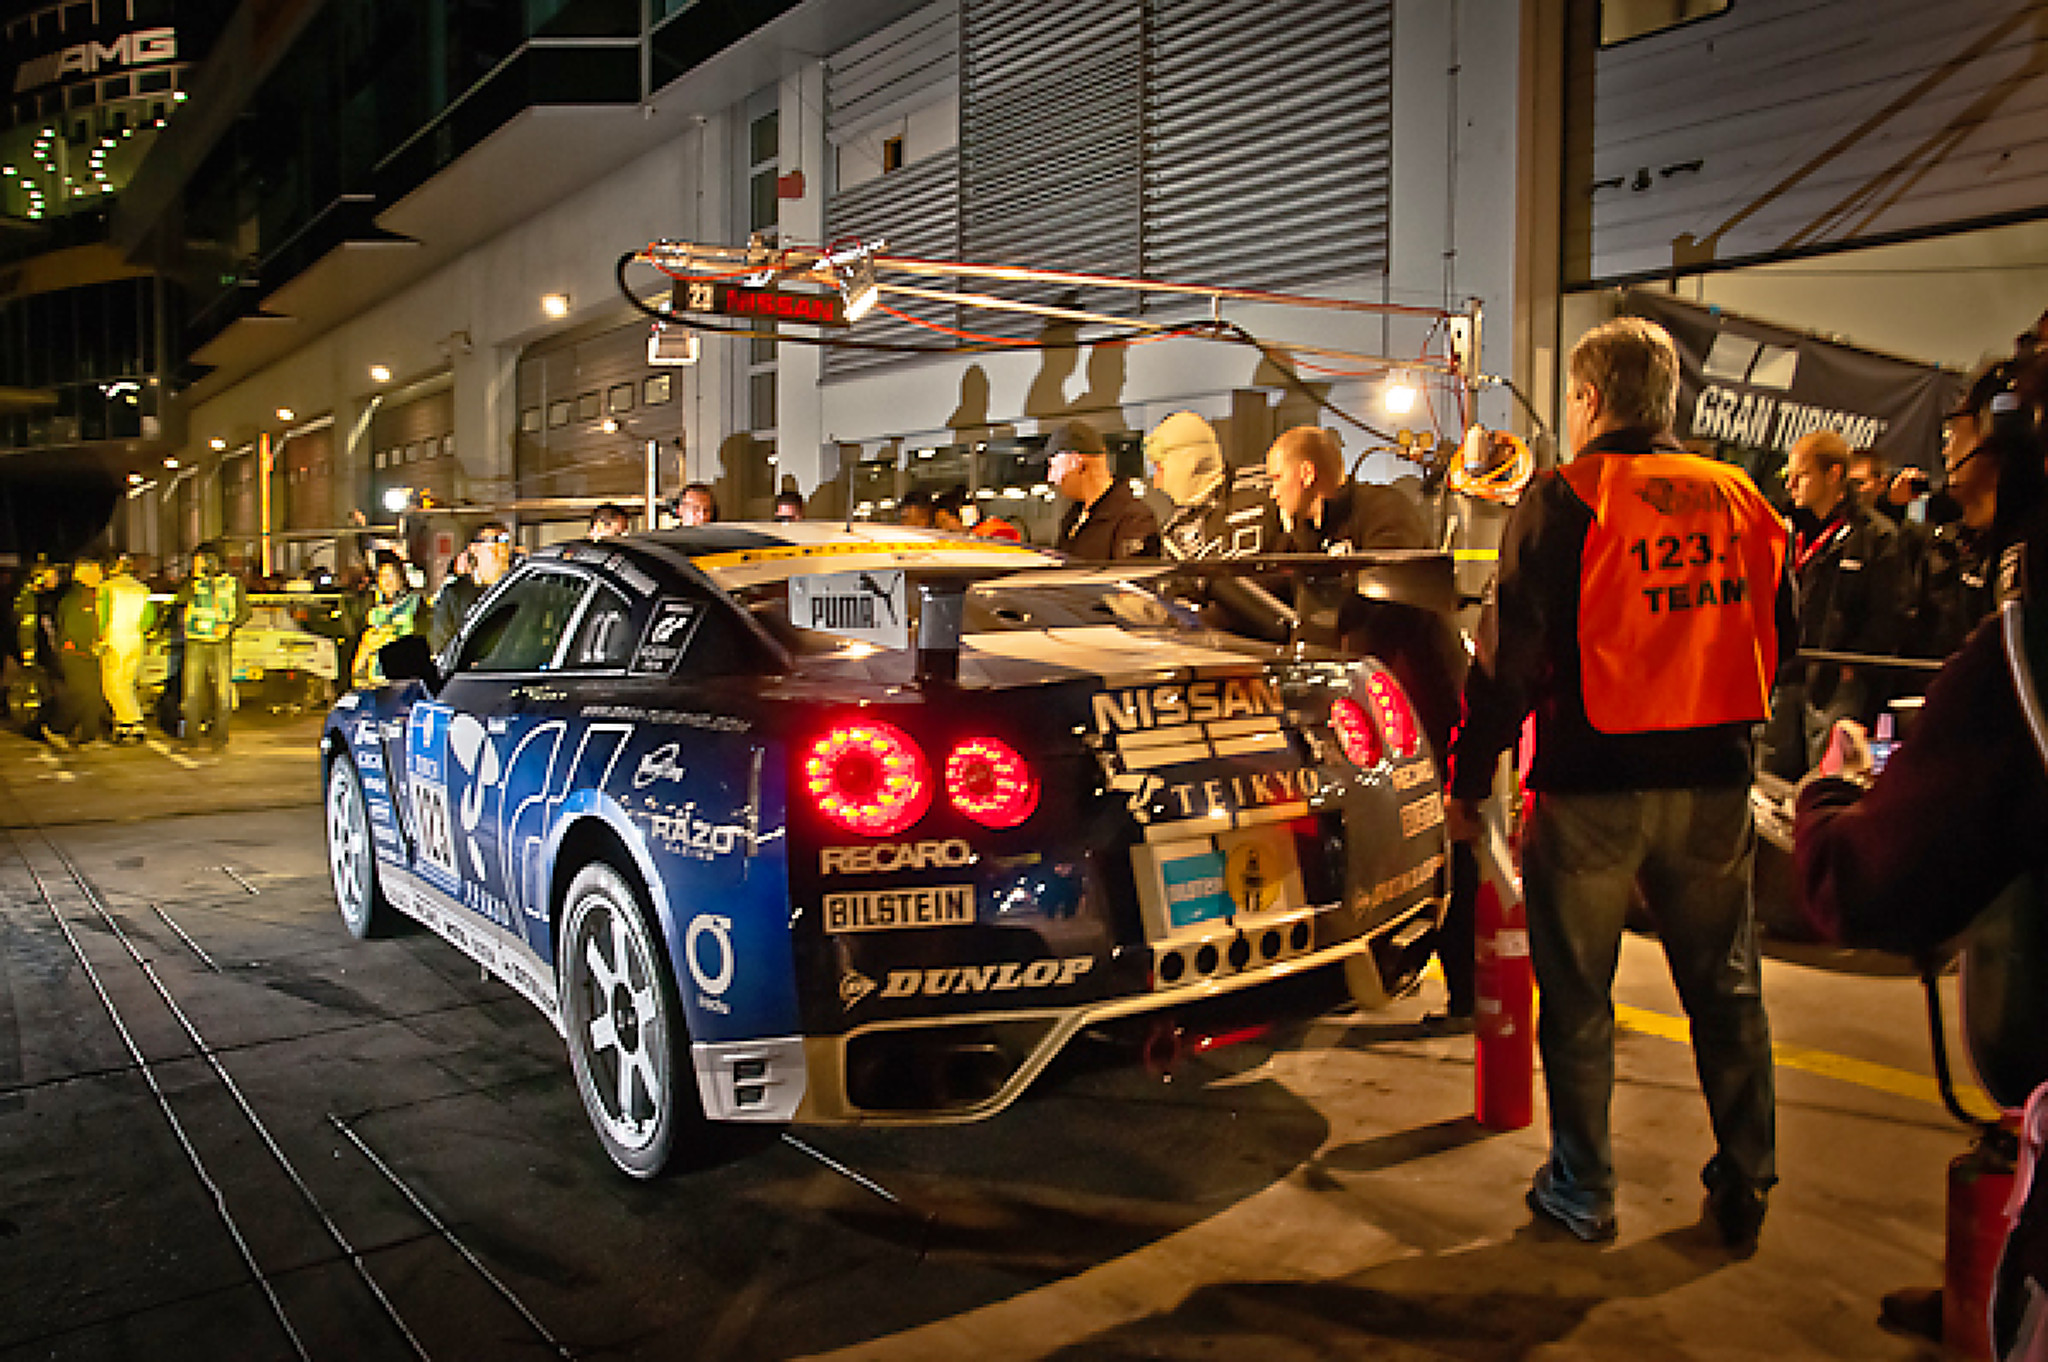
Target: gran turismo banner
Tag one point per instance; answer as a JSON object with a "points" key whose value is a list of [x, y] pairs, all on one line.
{"points": [[1752, 389]]}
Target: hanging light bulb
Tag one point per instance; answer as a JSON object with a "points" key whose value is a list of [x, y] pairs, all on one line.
{"points": [[1399, 395]]}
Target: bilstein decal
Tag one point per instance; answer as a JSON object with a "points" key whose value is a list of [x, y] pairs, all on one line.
{"points": [[880, 910], [1126, 711], [1004, 978], [884, 857]]}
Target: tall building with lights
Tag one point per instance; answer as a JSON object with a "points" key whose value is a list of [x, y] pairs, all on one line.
{"points": [[85, 368]]}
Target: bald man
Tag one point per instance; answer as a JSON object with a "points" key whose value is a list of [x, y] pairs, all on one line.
{"points": [[1852, 599]]}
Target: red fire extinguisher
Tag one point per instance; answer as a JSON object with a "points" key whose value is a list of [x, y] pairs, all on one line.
{"points": [[1503, 984], [1979, 1186]]}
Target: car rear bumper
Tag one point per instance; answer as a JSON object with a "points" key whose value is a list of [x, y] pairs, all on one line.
{"points": [[967, 1067]]}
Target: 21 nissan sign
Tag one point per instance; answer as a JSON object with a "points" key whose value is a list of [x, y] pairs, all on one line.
{"points": [[143, 47], [1760, 388]]}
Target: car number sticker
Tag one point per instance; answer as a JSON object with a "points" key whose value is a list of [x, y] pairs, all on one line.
{"points": [[430, 811], [668, 636]]}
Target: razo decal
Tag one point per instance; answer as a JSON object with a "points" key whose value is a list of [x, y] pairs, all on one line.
{"points": [[1125, 711], [684, 833], [887, 856]]}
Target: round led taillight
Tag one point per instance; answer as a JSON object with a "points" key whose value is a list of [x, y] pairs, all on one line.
{"points": [[990, 782], [1397, 716], [868, 777], [1355, 733]]}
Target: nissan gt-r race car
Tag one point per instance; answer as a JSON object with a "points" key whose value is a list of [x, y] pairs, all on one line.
{"points": [[818, 824]]}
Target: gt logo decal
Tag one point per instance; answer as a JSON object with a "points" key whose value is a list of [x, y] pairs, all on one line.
{"points": [[888, 856]]}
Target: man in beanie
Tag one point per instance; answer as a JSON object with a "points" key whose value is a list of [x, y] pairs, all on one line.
{"points": [[1106, 520], [1187, 465]]}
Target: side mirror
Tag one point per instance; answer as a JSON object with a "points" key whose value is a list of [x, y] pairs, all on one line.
{"points": [[410, 658]]}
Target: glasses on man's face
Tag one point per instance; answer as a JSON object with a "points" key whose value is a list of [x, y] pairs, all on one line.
{"points": [[487, 540]]}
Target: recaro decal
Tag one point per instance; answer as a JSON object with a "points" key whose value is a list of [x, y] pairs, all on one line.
{"points": [[884, 857]]}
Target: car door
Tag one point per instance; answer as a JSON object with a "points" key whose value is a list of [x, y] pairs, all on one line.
{"points": [[498, 713]]}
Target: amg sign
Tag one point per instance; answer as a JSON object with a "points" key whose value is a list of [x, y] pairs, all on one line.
{"points": [[143, 47]]}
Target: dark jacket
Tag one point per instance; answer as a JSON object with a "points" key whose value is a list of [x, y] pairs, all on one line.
{"points": [[1852, 592], [78, 622], [1534, 663], [458, 594], [1952, 592], [1956, 815], [1115, 525]]}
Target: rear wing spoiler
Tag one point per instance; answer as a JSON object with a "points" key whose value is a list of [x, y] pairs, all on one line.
{"points": [[924, 608]]}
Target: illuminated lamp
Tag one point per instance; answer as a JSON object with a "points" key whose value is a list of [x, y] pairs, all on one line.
{"points": [[1355, 733], [868, 776], [990, 782], [858, 287]]}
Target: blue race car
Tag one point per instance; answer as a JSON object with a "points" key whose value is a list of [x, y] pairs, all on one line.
{"points": [[818, 824]]}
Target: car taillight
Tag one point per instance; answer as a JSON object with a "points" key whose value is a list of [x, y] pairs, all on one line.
{"points": [[868, 777], [990, 782], [1397, 717], [1355, 733]]}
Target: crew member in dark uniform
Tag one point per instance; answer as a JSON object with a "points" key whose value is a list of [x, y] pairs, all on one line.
{"points": [[1851, 577], [1321, 511], [1106, 520]]}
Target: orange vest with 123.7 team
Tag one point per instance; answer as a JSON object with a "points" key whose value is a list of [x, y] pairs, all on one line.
{"points": [[1678, 588]]}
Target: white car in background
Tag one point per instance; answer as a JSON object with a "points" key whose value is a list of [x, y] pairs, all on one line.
{"points": [[278, 661]]}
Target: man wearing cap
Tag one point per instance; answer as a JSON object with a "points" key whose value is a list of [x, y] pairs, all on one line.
{"points": [[1106, 521], [1187, 466], [491, 553]]}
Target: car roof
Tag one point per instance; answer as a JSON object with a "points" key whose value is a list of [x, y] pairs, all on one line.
{"points": [[738, 555]]}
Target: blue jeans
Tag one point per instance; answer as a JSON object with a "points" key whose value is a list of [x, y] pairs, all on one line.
{"points": [[1690, 850]]}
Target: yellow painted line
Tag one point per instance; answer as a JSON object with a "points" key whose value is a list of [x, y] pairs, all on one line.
{"points": [[179, 757], [1863, 1073], [1825, 1063], [1476, 555]]}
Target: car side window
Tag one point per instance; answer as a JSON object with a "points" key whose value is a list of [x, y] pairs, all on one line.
{"points": [[604, 641], [524, 626]]}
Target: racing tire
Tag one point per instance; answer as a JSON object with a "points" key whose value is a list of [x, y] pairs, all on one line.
{"points": [[352, 855], [628, 1041]]}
